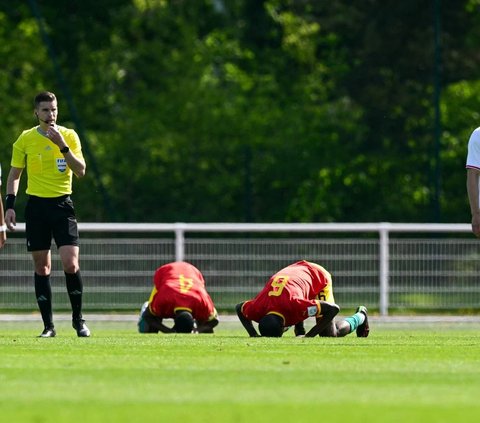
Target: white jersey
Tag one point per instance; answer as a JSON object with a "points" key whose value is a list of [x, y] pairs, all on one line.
{"points": [[473, 156]]}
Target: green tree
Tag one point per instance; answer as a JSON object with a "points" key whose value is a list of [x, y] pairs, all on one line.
{"points": [[251, 110]]}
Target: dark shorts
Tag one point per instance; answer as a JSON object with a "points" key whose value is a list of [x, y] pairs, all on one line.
{"points": [[47, 218]]}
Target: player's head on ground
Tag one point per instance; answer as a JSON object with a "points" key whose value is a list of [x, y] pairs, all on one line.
{"points": [[271, 326], [184, 322]]}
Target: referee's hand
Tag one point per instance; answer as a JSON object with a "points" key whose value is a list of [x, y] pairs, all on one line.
{"points": [[11, 219]]}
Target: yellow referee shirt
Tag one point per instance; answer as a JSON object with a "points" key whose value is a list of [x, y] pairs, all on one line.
{"points": [[48, 173]]}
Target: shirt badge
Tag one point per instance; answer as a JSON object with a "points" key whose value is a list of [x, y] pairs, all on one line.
{"points": [[61, 165]]}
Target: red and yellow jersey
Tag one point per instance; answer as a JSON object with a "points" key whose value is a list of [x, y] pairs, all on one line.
{"points": [[293, 293], [180, 286], [48, 173]]}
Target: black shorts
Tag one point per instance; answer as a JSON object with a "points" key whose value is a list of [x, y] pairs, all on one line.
{"points": [[47, 218]]}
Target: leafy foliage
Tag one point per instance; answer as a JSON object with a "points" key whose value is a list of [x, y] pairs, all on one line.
{"points": [[251, 110]]}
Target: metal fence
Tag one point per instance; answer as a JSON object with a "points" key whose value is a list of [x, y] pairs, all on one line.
{"points": [[388, 267]]}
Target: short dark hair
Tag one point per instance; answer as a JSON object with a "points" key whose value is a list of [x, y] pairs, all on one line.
{"points": [[271, 326], [184, 322], [44, 96]]}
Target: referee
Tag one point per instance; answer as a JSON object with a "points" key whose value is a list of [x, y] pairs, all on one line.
{"points": [[51, 154]]}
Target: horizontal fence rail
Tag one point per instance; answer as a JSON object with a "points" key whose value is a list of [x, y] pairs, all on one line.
{"points": [[386, 266]]}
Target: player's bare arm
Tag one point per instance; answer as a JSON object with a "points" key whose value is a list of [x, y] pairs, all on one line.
{"points": [[3, 231], [13, 182], [3, 226], [155, 323], [328, 311], [473, 194], [247, 324], [206, 326], [299, 329], [162, 328]]}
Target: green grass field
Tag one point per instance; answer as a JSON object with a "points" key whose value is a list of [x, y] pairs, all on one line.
{"points": [[403, 373]]}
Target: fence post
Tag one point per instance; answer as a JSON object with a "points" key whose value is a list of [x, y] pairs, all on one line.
{"points": [[384, 267], [179, 241]]}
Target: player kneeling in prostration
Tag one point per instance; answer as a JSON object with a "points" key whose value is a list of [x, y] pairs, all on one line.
{"points": [[293, 295], [179, 293]]}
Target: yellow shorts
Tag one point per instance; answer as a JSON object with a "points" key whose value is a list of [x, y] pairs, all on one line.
{"points": [[327, 293]]}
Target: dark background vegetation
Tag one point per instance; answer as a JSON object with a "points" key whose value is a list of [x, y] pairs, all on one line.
{"points": [[252, 110]]}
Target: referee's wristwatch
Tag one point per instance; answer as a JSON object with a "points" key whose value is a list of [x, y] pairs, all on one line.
{"points": [[64, 150]]}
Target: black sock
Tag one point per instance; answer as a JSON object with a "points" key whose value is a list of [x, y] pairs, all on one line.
{"points": [[75, 292], [43, 292]]}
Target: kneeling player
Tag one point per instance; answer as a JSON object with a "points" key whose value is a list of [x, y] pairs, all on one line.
{"points": [[293, 294], [179, 293]]}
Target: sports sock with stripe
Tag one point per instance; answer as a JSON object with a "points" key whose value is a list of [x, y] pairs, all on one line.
{"points": [[355, 321]]}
